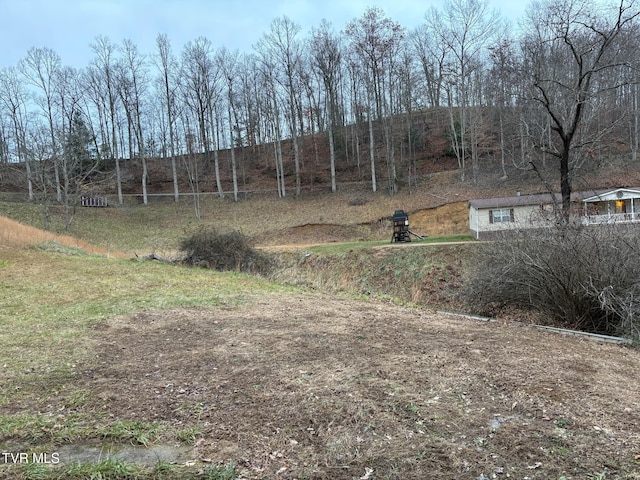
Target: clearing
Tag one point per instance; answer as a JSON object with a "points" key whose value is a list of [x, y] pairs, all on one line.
{"points": [[304, 385], [222, 372]]}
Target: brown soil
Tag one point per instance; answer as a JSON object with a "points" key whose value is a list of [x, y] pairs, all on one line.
{"points": [[449, 219], [444, 220], [308, 386]]}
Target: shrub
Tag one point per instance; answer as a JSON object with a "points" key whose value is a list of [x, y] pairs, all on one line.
{"points": [[224, 251], [580, 277]]}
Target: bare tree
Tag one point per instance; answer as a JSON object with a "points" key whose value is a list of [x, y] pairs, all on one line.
{"points": [[269, 96], [40, 152], [79, 160], [377, 39], [432, 55], [249, 77], [170, 83], [327, 55], [190, 159], [201, 92], [464, 27], [284, 51], [502, 88], [4, 140], [570, 52], [41, 67], [103, 71], [228, 64], [13, 100], [133, 83]]}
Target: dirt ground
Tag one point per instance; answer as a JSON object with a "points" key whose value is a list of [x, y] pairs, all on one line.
{"points": [[448, 219], [318, 387]]}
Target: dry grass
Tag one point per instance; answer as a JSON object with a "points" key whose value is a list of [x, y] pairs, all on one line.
{"points": [[292, 384], [15, 234], [320, 387]]}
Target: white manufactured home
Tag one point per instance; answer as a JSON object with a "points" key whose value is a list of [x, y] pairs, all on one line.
{"points": [[487, 216]]}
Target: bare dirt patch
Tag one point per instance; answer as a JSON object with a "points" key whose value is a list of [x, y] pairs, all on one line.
{"points": [[448, 219], [309, 386]]}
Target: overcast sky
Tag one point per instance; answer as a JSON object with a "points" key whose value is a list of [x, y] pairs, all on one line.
{"points": [[70, 26]]}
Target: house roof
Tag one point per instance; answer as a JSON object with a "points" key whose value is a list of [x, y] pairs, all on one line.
{"points": [[617, 194], [546, 198]]}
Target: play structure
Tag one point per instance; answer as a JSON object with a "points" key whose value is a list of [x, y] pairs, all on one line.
{"points": [[401, 231]]}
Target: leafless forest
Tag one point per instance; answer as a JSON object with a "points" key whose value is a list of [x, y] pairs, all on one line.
{"points": [[561, 87]]}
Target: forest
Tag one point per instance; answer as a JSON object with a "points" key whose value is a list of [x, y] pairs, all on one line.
{"points": [[562, 87]]}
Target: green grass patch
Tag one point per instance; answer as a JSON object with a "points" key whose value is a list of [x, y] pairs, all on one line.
{"points": [[49, 301], [55, 247], [136, 433], [448, 238], [343, 247], [37, 429]]}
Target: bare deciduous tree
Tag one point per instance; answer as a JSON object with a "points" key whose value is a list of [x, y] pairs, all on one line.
{"points": [[228, 64], [41, 67], [201, 93], [284, 50], [465, 27], [327, 55], [170, 83], [133, 83], [570, 51], [103, 71], [377, 39], [13, 101]]}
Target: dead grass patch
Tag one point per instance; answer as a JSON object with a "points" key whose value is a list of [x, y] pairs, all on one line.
{"points": [[15, 234], [307, 386]]}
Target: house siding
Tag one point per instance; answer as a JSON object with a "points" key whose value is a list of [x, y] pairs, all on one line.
{"points": [[524, 217], [535, 210]]}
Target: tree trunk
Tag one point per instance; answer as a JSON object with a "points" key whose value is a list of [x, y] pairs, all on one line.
{"points": [[234, 173], [332, 157], [372, 155], [145, 198], [565, 181]]}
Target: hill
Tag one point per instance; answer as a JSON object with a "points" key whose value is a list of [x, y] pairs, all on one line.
{"points": [[430, 185], [428, 152]]}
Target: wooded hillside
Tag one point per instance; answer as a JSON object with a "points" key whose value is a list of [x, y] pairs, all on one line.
{"points": [[371, 102]]}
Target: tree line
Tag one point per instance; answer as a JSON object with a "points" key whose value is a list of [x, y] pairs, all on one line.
{"points": [[561, 87]]}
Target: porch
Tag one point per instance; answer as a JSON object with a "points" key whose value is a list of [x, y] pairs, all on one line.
{"points": [[616, 206]]}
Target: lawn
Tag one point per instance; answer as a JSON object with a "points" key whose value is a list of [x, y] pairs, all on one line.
{"points": [[335, 367]]}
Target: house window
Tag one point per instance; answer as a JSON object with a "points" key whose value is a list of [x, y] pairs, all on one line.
{"points": [[501, 215]]}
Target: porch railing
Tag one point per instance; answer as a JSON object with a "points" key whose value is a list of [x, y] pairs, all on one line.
{"points": [[611, 218]]}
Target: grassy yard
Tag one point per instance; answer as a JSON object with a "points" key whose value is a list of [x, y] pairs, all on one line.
{"points": [[333, 368], [52, 296], [158, 226]]}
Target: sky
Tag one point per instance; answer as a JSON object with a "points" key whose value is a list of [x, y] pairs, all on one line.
{"points": [[69, 26]]}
